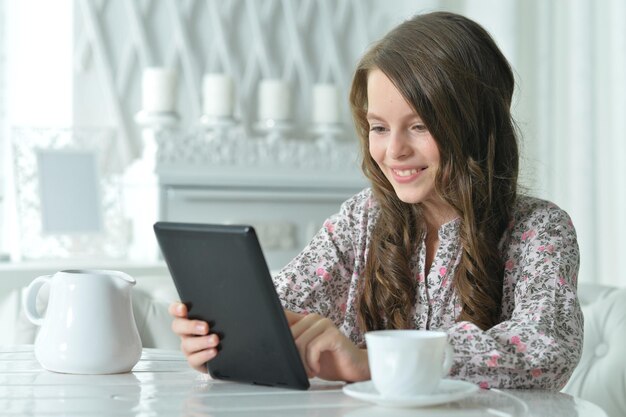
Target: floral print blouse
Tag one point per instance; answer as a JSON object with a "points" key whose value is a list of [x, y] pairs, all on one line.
{"points": [[536, 345]]}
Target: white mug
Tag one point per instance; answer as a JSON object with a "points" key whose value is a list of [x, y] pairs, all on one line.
{"points": [[89, 327], [407, 362]]}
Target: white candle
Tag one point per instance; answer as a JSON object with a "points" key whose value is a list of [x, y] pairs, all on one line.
{"points": [[325, 104], [274, 100], [158, 86], [217, 95]]}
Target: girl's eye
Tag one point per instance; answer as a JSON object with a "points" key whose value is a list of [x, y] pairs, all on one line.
{"points": [[377, 129], [420, 128]]}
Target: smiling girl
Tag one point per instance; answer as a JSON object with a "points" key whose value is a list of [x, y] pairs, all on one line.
{"points": [[442, 239]]}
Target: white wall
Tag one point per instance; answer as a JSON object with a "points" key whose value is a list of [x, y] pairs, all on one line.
{"points": [[3, 125], [568, 58]]}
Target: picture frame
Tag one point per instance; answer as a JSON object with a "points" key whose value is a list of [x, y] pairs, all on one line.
{"points": [[68, 194]]}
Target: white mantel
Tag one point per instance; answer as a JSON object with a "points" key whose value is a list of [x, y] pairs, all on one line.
{"points": [[195, 157], [285, 189]]}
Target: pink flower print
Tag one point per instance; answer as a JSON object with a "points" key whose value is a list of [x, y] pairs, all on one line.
{"points": [[442, 271], [529, 234], [541, 248], [343, 307], [536, 373], [550, 248], [561, 281], [519, 345], [508, 265], [444, 283], [483, 385], [492, 362], [467, 326], [329, 226], [322, 273], [297, 287]]}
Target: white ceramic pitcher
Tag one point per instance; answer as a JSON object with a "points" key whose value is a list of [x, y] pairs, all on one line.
{"points": [[89, 327]]}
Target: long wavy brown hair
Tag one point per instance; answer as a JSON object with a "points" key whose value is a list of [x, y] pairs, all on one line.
{"points": [[451, 72]]}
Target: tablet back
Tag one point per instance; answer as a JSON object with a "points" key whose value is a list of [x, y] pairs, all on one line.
{"points": [[221, 275]]}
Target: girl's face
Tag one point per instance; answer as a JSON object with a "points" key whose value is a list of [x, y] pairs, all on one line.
{"points": [[401, 144]]}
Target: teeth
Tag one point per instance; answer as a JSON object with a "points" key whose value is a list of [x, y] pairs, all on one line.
{"points": [[405, 172]]}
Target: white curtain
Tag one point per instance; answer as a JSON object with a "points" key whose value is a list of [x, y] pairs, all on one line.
{"points": [[571, 64], [3, 128]]}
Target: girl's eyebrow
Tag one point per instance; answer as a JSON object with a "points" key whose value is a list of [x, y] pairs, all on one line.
{"points": [[416, 116], [370, 115]]}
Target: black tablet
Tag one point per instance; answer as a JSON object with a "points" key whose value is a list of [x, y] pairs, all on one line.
{"points": [[220, 273]]}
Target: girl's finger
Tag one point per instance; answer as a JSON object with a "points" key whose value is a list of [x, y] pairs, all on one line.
{"points": [[306, 332], [190, 345], [293, 318], [183, 327], [310, 327], [177, 309], [199, 359], [316, 339]]}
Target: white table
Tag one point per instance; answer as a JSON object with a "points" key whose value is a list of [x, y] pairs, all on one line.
{"points": [[162, 384]]}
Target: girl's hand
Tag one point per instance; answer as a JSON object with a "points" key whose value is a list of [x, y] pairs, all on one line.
{"points": [[325, 351], [196, 343]]}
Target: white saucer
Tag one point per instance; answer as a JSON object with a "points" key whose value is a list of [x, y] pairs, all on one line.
{"points": [[449, 390]]}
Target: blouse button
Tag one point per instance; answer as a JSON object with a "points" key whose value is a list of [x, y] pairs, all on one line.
{"points": [[601, 350]]}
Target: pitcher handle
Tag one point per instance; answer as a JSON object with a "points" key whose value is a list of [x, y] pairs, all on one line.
{"points": [[30, 299]]}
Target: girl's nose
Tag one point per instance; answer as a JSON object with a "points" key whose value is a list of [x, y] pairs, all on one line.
{"points": [[398, 146]]}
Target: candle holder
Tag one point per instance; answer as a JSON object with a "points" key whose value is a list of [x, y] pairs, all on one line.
{"points": [[275, 130], [328, 133], [218, 127], [157, 120]]}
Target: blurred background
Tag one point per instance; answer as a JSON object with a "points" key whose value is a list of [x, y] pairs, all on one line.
{"points": [[125, 81]]}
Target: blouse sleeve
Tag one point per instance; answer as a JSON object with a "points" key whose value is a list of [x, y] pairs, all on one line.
{"points": [[318, 279], [540, 344]]}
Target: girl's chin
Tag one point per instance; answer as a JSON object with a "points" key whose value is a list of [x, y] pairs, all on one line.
{"points": [[413, 196], [409, 198]]}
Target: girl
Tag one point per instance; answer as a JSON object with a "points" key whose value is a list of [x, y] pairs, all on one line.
{"points": [[442, 239]]}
